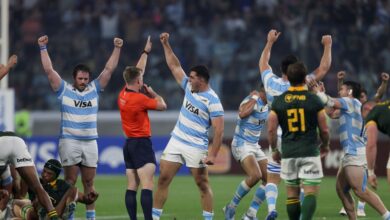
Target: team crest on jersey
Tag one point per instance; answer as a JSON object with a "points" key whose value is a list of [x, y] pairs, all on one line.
{"points": [[82, 104], [192, 108], [289, 98]]}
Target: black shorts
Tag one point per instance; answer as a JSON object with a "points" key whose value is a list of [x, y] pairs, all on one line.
{"points": [[137, 152]]}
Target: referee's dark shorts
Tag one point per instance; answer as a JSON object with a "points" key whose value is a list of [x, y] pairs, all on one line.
{"points": [[137, 152]]}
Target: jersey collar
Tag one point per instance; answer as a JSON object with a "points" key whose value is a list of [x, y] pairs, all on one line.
{"points": [[297, 88]]}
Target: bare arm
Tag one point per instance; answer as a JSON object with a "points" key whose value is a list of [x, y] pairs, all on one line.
{"points": [[218, 126], [111, 64], [340, 79], [371, 152], [52, 75], [273, 123], [172, 61], [161, 105], [371, 149], [326, 59], [266, 54], [144, 56], [4, 70], [319, 90], [324, 133], [247, 108], [382, 88]]}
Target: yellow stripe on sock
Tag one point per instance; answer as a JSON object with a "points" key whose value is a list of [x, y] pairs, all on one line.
{"points": [[292, 201], [52, 213]]}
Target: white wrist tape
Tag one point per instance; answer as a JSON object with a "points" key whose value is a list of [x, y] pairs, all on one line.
{"points": [[2, 214], [370, 172], [325, 99], [255, 97]]}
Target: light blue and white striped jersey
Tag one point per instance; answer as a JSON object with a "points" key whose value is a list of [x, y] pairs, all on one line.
{"points": [[79, 111], [195, 116], [274, 85], [248, 129], [351, 126]]}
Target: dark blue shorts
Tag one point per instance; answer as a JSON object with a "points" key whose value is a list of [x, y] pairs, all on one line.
{"points": [[137, 152]]}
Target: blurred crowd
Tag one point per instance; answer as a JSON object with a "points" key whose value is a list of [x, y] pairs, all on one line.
{"points": [[226, 35]]}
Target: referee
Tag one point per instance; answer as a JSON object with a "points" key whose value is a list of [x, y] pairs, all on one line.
{"points": [[137, 151]]}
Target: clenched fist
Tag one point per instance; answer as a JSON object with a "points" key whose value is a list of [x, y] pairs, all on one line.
{"points": [[164, 37], [273, 35], [118, 42], [385, 76], [341, 74], [326, 40], [43, 41], [12, 61]]}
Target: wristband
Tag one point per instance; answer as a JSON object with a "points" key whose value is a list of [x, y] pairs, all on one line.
{"points": [[145, 52], [370, 172], [255, 97], [43, 47]]}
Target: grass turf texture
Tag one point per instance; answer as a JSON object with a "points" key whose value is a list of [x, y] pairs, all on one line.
{"points": [[184, 201]]}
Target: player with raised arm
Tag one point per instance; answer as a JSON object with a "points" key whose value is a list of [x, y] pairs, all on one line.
{"points": [[360, 212], [352, 173], [79, 106], [138, 153], [189, 139], [275, 86], [252, 115], [299, 113]]}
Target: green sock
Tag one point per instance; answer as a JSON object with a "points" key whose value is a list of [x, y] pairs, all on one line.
{"points": [[309, 206], [293, 208]]}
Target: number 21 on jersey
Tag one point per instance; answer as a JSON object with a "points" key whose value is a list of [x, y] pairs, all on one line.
{"points": [[296, 120]]}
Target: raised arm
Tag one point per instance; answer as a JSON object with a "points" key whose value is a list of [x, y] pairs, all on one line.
{"points": [[382, 88], [324, 133], [4, 70], [266, 54], [111, 64], [172, 61], [161, 105], [371, 151], [218, 127], [52, 75], [340, 79], [326, 59], [144, 56], [247, 108], [319, 90], [273, 123]]}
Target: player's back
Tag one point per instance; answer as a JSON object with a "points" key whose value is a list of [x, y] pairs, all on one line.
{"points": [[297, 111]]}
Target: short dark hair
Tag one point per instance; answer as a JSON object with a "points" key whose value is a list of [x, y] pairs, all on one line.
{"points": [[356, 88], [363, 90], [296, 73], [54, 165], [131, 73], [288, 60], [80, 67], [202, 72]]}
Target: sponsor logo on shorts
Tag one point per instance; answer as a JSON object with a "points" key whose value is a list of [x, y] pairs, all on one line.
{"points": [[22, 160], [311, 172]]}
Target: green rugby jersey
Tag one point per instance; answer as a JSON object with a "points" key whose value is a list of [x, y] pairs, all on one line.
{"points": [[56, 190], [380, 114], [297, 111]]}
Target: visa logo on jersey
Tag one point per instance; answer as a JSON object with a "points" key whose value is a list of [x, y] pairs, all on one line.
{"points": [[82, 104], [192, 108]]}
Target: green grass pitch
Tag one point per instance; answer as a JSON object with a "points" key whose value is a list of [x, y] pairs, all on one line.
{"points": [[184, 204]]}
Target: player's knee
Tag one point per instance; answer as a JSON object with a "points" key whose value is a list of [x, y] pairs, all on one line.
{"points": [[88, 183]]}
